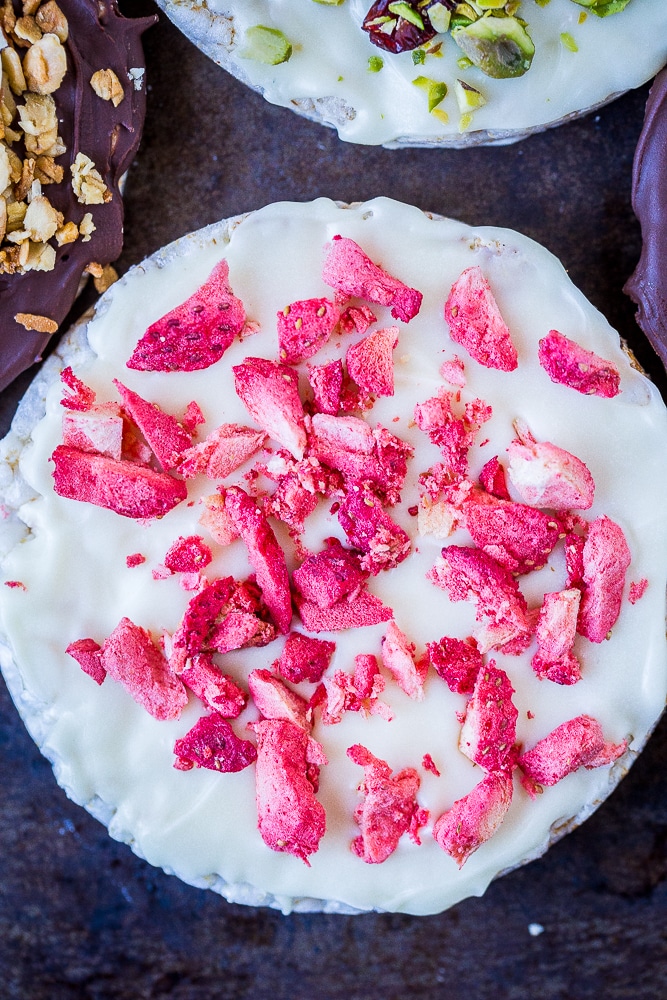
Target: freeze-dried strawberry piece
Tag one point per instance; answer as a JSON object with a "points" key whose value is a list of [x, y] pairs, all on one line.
{"points": [[349, 270], [124, 487], [493, 479], [274, 700], [574, 559], [196, 333], [555, 633], [470, 574], [304, 658], [270, 392], [217, 520], [518, 536], [577, 743], [475, 322], [188, 555], [457, 661], [239, 629], [192, 417], [326, 381], [429, 765], [88, 654], [637, 590], [398, 658], [356, 319], [547, 476], [304, 327], [392, 463], [473, 819], [489, 731], [163, 432], [453, 371], [130, 656], [370, 529], [134, 559], [606, 557], [357, 692], [197, 626], [264, 552], [330, 575], [217, 690], [98, 429], [290, 818], [359, 611], [453, 434], [371, 362], [567, 363], [212, 743], [221, 452], [291, 502], [76, 394], [388, 808]]}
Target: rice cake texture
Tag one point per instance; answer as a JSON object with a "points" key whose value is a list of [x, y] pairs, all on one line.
{"points": [[581, 62], [70, 559]]}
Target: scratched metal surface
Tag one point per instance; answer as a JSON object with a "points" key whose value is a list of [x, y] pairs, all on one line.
{"points": [[80, 916]]}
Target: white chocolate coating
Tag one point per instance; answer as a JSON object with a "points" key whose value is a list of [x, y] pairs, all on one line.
{"points": [[327, 76], [111, 756]]}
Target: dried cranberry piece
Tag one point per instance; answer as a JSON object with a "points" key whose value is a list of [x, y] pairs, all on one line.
{"points": [[403, 35]]}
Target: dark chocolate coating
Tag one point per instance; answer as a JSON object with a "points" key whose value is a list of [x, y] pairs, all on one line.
{"points": [[99, 38], [648, 285]]}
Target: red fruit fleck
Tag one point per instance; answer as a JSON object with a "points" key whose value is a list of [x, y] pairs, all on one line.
{"points": [[349, 270], [196, 333], [456, 661], [188, 555], [212, 743], [363, 609], [567, 363], [270, 393], [304, 658], [304, 327], [473, 819], [135, 559], [221, 452], [326, 381], [493, 479], [475, 322], [88, 654], [330, 575], [76, 394], [398, 658], [368, 528], [574, 744], [130, 656], [395, 33], [453, 434], [371, 362], [637, 590], [606, 557], [489, 731], [166, 437], [217, 690]]}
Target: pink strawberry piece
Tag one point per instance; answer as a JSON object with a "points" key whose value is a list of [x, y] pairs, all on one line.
{"points": [[212, 743], [473, 819], [398, 658], [360, 453], [304, 658], [197, 626], [196, 333], [76, 394], [637, 590], [366, 672], [361, 610], [453, 371], [270, 392], [217, 521], [304, 327], [475, 322], [454, 435], [88, 654], [555, 632], [567, 363], [429, 765], [290, 818], [134, 559], [356, 319], [192, 417], [326, 381], [519, 537], [188, 555], [574, 559], [98, 429], [492, 477], [574, 744], [330, 575], [217, 690], [274, 700], [392, 465], [388, 807], [163, 432], [469, 574], [357, 692], [370, 529], [547, 476], [223, 451], [489, 731], [291, 502], [457, 661], [240, 629], [130, 656], [350, 271], [606, 557], [371, 362], [264, 552], [124, 487]]}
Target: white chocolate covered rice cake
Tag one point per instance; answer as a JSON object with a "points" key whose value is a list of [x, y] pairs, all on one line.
{"points": [[484, 649]]}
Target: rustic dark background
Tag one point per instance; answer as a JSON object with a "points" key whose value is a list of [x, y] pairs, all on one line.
{"points": [[80, 916]]}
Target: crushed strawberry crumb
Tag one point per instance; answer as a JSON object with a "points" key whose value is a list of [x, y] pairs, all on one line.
{"points": [[476, 323], [567, 363], [350, 271], [212, 743]]}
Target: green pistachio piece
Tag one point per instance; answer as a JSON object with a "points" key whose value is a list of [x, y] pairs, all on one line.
{"points": [[603, 8], [467, 97], [440, 17], [404, 10], [266, 45], [568, 41], [375, 64], [490, 4], [499, 46], [435, 90], [330, 3]]}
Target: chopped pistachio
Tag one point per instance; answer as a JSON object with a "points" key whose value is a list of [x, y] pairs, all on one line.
{"points": [[330, 3], [403, 9], [568, 41], [465, 121], [440, 17], [375, 64], [435, 90], [266, 45], [463, 62], [490, 4], [418, 57], [603, 8], [467, 97], [499, 46]]}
